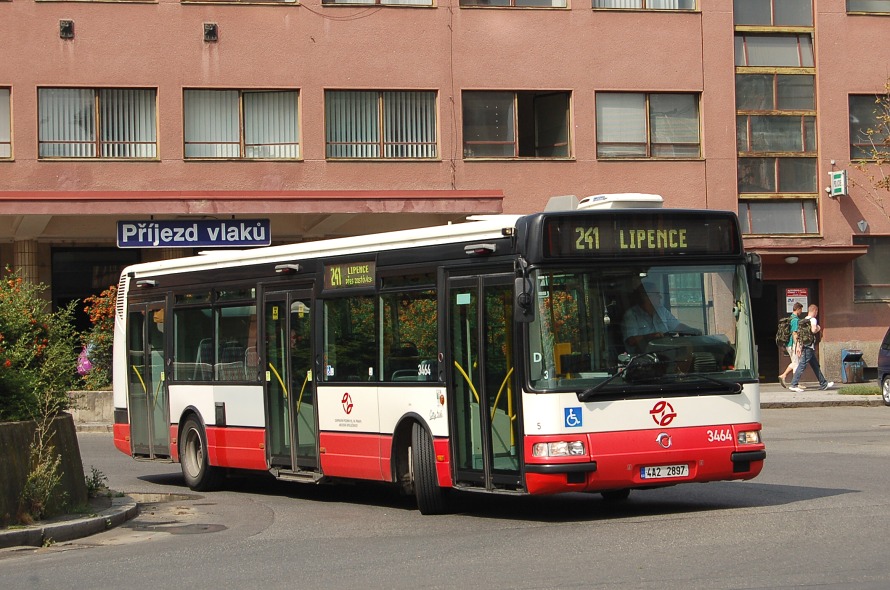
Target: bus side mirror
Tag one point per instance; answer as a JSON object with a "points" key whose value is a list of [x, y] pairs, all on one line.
{"points": [[523, 310], [754, 265]]}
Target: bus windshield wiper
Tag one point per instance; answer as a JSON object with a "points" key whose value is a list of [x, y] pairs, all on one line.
{"points": [[734, 386], [627, 372]]}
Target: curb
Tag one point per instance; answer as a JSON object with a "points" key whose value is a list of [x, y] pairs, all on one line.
{"points": [[122, 509], [822, 403]]}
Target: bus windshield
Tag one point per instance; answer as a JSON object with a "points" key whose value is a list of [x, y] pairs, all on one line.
{"points": [[635, 326]]}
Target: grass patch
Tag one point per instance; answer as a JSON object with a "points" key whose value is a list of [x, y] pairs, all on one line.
{"points": [[860, 389]]}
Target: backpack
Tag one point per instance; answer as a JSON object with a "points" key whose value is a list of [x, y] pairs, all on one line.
{"points": [[805, 334], [783, 332]]}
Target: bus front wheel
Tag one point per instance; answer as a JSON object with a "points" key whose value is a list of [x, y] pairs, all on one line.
{"points": [[196, 469], [430, 497]]}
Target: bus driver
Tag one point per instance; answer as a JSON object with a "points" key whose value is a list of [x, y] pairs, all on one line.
{"points": [[649, 319]]}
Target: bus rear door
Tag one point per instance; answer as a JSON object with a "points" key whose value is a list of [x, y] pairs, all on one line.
{"points": [[485, 441], [147, 401]]}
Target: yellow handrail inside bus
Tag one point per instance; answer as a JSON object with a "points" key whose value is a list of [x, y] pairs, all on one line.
{"points": [[509, 397], [280, 380], [136, 370], [302, 389], [469, 381]]}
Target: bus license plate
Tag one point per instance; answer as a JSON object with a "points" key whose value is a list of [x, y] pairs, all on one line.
{"points": [[664, 471]]}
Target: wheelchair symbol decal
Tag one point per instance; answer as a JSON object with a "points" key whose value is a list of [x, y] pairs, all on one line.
{"points": [[573, 417]]}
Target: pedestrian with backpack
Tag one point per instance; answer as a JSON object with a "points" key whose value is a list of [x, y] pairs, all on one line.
{"points": [[806, 337], [791, 346]]}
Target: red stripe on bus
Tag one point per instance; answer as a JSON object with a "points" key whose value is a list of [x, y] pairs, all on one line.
{"points": [[354, 455], [122, 438], [442, 448], [239, 448]]}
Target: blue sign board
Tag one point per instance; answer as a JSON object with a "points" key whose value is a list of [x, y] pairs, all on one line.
{"points": [[573, 417], [205, 233]]}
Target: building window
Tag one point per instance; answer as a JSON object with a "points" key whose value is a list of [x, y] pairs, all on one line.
{"points": [[5, 125], [778, 216], [756, 49], [638, 125], [775, 92], [382, 2], [777, 175], [97, 123], [646, 4], [380, 124], [876, 6], [530, 124], [869, 127], [871, 273], [515, 3], [778, 13], [242, 124]]}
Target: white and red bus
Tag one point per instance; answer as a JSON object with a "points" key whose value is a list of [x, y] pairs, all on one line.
{"points": [[507, 354]]}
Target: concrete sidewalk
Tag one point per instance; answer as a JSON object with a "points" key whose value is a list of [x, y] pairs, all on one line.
{"points": [[70, 527], [773, 395]]}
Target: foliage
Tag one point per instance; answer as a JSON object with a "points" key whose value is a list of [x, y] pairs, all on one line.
{"points": [[37, 352], [96, 482], [100, 309], [860, 389], [875, 167]]}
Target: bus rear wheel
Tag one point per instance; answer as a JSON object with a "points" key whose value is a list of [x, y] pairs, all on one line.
{"points": [[430, 497], [196, 469]]}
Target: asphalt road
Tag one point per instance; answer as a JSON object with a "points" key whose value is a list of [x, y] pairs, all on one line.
{"points": [[817, 516]]}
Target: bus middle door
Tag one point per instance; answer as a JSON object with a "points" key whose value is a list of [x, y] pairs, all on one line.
{"points": [[291, 435], [485, 439]]}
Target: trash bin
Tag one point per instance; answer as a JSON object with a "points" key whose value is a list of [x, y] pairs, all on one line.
{"points": [[852, 365]]}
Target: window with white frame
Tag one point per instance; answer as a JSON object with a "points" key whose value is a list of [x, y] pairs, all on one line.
{"points": [[370, 124], [779, 13], [875, 6], [646, 4], [507, 124], [871, 273], [778, 216], [869, 127], [5, 124], [647, 125], [241, 124], [97, 123]]}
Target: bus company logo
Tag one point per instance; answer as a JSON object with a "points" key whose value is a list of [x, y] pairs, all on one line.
{"points": [[663, 440], [663, 413], [347, 403]]}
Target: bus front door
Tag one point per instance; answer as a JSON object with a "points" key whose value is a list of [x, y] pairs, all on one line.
{"points": [[292, 440], [484, 401], [146, 382]]}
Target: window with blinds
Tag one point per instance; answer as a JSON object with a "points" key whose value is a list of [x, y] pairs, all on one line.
{"points": [[646, 4], [97, 123], [240, 124], [362, 124], [5, 125], [641, 125]]}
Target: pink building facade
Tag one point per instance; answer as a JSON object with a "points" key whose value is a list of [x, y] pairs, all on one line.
{"points": [[339, 118]]}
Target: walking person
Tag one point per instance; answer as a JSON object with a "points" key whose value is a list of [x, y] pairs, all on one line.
{"points": [[808, 352], [792, 347]]}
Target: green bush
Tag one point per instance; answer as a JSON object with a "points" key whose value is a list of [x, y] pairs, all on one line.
{"points": [[38, 352]]}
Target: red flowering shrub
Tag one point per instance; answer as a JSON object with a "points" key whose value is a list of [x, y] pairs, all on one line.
{"points": [[98, 341], [37, 352]]}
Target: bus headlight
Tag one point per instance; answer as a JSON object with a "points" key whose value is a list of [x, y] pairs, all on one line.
{"points": [[749, 437], [573, 448]]}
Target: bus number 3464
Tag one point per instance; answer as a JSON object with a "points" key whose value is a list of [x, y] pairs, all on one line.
{"points": [[722, 435]]}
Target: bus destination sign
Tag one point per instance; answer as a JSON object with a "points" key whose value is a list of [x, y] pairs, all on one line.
{"points": [[655, 235], [350, 275]]}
